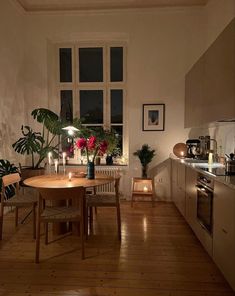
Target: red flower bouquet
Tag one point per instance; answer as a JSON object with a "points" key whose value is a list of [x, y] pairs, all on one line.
{"points": [[92, 146]]}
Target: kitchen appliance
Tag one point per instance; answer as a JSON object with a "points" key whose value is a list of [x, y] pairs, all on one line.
{"points": [[205, 189], [230, 167], [193, 148], [204, 146]]}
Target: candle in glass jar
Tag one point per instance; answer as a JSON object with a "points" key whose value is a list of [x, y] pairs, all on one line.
{"points": [[56, 166], [64, 158], [70, 176], [145, 189], [49, 158]]}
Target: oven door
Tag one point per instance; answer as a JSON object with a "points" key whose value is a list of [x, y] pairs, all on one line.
{"points": [[204, 207]]}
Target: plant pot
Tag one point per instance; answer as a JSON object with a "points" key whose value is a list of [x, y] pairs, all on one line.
{"points": [[28, 172], [144, 172]]}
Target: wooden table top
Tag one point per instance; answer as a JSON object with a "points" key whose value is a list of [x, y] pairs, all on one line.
{"points": [[62, 181]]}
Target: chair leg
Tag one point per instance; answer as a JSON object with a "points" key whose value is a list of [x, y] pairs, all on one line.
{"points": [[1, 220], [16, 216], [46, 233], [132, 199], [82, 239], [86, 222], [34, 221], [1, 226], [119, 221], [37, 241]]}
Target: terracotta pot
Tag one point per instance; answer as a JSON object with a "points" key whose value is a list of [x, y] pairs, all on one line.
{"points": [[29, 172]]}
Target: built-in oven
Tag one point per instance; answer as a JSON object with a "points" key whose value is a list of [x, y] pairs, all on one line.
{"points": [[205, 188]]}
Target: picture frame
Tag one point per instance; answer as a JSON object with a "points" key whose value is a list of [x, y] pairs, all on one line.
{"points": [[153, 117]]}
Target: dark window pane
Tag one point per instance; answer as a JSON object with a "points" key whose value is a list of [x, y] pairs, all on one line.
{"points": [[116, 106], [66, 107], [91, 106], [90, 64], [66, 114], [116, 63], [65, 65], [119, 133]]}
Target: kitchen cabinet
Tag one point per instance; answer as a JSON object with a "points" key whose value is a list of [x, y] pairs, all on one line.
{"points": [[224, 231], [211, 82], [178, 185], [191, 197]]}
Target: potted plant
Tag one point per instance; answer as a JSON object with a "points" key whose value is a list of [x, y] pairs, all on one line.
{"points": [[38, 144], [145, 155]]}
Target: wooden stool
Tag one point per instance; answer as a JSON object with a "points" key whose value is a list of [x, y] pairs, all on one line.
{"points": [[142, 187]]}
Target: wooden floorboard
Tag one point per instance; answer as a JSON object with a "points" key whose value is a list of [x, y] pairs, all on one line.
{"points": [[158, 255]]}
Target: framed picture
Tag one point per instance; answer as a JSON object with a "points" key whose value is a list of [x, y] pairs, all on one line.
{"points": [[153, 117]]}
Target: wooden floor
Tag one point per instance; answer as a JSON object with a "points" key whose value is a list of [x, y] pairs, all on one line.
{"points": [[158, 256]]}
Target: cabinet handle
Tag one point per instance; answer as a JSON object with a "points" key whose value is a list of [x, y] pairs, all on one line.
{"points": [[224, 231]]}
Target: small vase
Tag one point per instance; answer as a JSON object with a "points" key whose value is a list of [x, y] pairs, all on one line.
{"points": [[90, 170], [97, 160], [109, 159], [144, 172]]}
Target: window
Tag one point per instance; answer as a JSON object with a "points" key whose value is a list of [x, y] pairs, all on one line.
{"points": [[92, 85]]}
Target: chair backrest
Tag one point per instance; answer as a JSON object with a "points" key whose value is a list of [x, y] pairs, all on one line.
{"points": [[76, 194], [11, 180]]}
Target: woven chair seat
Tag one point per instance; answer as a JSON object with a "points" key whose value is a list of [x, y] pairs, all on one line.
{"points": [[100, 200], [21, 200], [60, 213]]}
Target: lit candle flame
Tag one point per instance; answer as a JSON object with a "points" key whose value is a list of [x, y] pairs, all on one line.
{"points": [[70, 176], [145, 189]]}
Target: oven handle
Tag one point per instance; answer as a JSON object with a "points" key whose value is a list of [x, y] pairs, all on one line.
{"points": [[204, 192]]}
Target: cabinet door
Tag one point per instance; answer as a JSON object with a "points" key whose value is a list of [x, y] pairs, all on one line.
{"points": [[194, 94], [178, 185], [210, 84], [220, 76], [224, 231], [191, 197]]}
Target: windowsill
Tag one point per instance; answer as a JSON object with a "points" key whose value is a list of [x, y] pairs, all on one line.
{"points": [[97, 165]]}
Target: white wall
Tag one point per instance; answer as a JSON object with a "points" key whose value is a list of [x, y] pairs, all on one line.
{"points": [[162, 45], [11, 78]]}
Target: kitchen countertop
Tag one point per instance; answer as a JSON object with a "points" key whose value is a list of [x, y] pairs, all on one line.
{"points": [[227, 180]]}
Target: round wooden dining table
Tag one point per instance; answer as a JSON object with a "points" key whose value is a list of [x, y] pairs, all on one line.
{"points": [[63, 181]]}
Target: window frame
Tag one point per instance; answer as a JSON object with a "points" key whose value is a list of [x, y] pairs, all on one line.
{"points": [[106, 85]]}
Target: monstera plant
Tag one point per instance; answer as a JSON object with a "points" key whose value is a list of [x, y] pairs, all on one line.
{"points": [[38, 144], [7, 168]]}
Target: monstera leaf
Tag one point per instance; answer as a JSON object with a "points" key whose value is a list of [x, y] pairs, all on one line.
{"points": [[49, 119], [7, 168], [29, 143]]}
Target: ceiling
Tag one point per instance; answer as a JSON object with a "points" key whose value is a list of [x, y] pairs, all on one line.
{"points": [[83, 5]]}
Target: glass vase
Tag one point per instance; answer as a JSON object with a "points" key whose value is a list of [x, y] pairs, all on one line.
{"points": [[90, 170]]}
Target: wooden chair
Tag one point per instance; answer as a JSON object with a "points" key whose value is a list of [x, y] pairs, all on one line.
{"points": [[104, 200], [19, 200], [142, 187], [73, 212]]}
